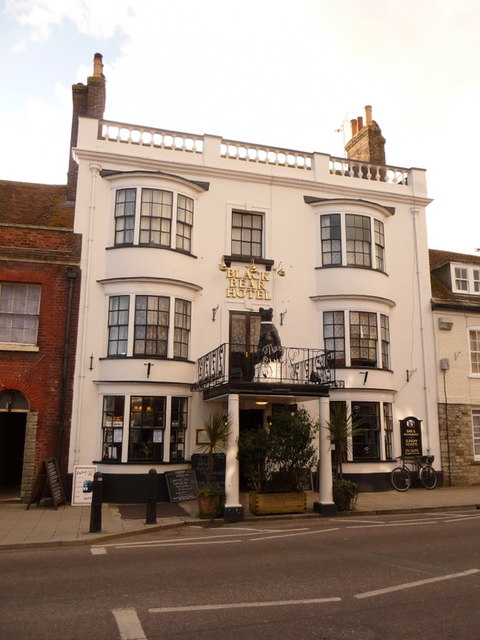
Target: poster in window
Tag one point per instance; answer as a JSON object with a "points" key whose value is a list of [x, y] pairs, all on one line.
{"points": [[157, 435], [117, 435]]}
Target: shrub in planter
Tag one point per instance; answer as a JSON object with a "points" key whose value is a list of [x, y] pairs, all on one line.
{"points": [[274, 460], [345, 493]]}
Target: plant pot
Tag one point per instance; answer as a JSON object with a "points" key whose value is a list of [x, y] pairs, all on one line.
{"points": [[209, 506], [277, 503]]}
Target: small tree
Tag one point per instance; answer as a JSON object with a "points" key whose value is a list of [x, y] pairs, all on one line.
{"points": [[276, 459], [217, 429], [342, 427]]}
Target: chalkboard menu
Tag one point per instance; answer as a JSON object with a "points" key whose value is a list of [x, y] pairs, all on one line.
{"points": [[411, 436], [48, 482], [182, 485], [199, 464]]}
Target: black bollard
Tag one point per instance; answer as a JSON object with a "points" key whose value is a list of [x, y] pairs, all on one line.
{"points": [[151, 517], [97, 499]]}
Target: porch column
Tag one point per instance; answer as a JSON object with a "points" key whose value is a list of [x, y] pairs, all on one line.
{"points": [[325, 505], [233, 508]]}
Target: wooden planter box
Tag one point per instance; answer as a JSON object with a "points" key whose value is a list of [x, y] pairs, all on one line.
{"points": [[262, 504]]}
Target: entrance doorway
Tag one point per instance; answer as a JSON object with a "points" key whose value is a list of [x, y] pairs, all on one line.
{"points": [[244, 336], [249, 419], [12, 443]]}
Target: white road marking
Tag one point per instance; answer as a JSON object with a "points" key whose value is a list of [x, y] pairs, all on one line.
{"points": [[242, 605], [289, 535], [462, 519], [139, 545], [394, 524], [417, 583], [98, 551], [128, 624]]}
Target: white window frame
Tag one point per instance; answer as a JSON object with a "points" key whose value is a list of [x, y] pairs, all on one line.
{"points": [[470, 277], [177, 223], [476, 433], [7, 310], [376, 249], [474, 374]]}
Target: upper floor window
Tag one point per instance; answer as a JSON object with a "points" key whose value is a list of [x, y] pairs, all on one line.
{"points": [[474, 336], [466, 279], [247, 234], [151, 326], [153, 217], [19, 313], [360, 332], [348, 240]]}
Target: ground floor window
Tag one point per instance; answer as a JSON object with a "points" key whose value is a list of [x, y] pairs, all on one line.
{"points": [[150, 422], [476, 433]]}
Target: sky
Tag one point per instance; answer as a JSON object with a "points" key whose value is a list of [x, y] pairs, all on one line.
{"points": [[286, 73]]}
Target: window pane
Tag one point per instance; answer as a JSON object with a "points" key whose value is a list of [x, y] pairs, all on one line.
{"points": [[151, 325], [19, 313], [178, 428], [331, 239], [363, 339], [125, 200], [247, 234], [181, 336], [475, 350], [118, 312], [147, 424], [334, 336], [156, 213], [184, 223], [358, 240], [112, 426], [366, 445]]}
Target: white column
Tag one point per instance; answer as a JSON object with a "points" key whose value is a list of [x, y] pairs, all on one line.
{"points": [[325, 504], [233, 508]]}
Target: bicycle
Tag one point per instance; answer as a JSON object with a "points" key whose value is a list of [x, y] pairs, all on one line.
{"points": [[401, 477]]}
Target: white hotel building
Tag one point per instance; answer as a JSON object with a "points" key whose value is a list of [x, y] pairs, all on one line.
{"points": [[185, 238]]}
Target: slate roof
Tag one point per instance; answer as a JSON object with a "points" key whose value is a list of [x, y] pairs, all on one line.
{"points": [[37, 205], [442, 296]]}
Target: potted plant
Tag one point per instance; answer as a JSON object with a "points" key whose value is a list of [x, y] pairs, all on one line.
{"points": [[215, 433], [276, 461], [342, 427]]}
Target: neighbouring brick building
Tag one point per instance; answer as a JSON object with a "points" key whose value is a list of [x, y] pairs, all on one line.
{"points": [[456, 311], [39, 297]]}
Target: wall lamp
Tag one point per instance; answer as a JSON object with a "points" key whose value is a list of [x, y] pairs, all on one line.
{"points": [[214, 312], [282, 317], [279, 270], [222, 266], [251, 267]]}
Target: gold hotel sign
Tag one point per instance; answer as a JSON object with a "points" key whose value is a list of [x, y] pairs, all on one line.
{"points": [[251, 285]]}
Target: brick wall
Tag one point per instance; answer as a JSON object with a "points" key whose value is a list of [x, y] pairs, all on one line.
{"points": [[456, 445]]}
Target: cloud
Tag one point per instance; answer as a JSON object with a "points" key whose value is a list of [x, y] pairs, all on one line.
{"points": [[96, 18]]}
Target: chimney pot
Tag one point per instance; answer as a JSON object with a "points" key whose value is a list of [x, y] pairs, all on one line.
{"points": [[354, 125], [360, 122], [368, 114], [98, 65]]}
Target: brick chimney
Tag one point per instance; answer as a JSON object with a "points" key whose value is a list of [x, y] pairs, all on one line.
{"points": [[367, 143], [88, 100]]}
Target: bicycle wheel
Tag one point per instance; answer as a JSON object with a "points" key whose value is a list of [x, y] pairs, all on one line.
{"points": [[428, 477], [401, 478]]}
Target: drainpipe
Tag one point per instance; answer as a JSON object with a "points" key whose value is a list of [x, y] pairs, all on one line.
{"points": [[71, 277], [415, 212], [94, 169]]}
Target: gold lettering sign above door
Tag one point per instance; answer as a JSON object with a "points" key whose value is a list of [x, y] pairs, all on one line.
{"points": [[247, 284]]}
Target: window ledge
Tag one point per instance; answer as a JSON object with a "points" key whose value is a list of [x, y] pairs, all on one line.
{"points": [[14, 346]]}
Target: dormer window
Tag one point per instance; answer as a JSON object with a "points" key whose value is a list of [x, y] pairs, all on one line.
{"points": [[465, 279]]}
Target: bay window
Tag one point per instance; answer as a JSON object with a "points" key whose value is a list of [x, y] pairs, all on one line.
{"points": [[349, 240], [165, 219], [358, 330]]}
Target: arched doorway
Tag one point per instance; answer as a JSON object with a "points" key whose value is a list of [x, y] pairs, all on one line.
{"points": [[13, 420]]}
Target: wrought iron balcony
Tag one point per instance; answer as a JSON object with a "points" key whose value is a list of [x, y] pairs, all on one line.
{"points": [[230, 363]]}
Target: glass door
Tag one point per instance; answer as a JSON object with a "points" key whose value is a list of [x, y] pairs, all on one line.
{"points": [[244, 336]]}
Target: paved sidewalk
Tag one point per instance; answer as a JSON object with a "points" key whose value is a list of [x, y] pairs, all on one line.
{"points": [[44, 526]]}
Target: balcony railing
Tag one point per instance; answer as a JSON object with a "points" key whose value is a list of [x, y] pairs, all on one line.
{"points": [[230, 363], [246, 152]]}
